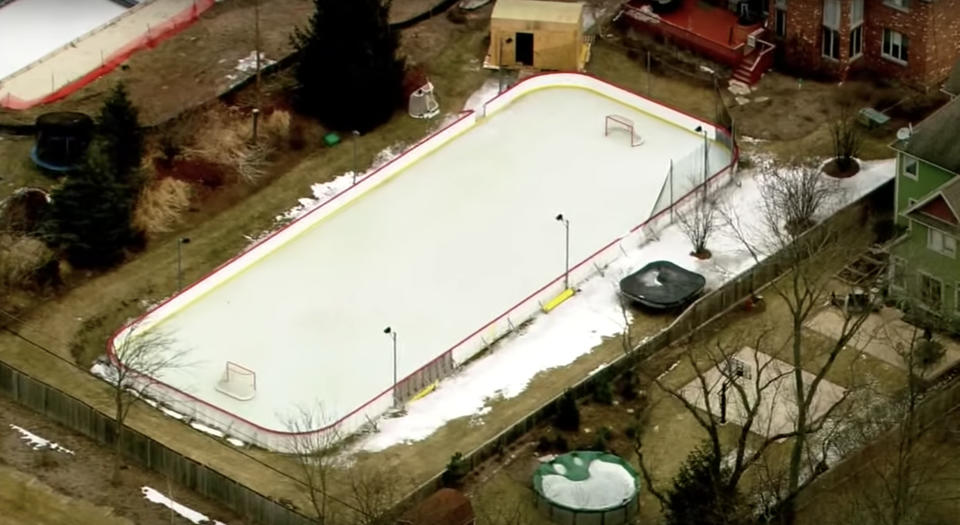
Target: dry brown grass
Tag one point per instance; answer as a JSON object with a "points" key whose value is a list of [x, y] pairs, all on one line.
{"points": [[225, 137], [161, 205], [20, 257]]}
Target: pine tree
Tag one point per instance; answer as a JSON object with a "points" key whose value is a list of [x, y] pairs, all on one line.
{"points": [[699, 495], [348, 73], [118, 127], [89, 215]]}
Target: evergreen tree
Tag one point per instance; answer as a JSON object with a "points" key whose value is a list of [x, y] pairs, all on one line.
{"points": [[700, 495], [348, 73], [89, 215], [118, 127]]}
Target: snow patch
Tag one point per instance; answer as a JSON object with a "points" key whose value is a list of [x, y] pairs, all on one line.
{"points": [[583, 321], [608, 485], [38, 443], [195, 517], [206, 430]]}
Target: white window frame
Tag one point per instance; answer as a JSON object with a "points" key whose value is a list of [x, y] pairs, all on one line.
{"points": [[941, 243], [834, 41], [923, 298], [900, 5], [780, 21], [856, 42], [895, 46], [905, 164]]}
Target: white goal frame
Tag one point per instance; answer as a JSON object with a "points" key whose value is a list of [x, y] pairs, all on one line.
{"points": [[614, 122], [238, 382]]}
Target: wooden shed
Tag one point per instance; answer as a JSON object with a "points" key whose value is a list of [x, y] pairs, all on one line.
{"points": [[443, 507], [538, 34]]}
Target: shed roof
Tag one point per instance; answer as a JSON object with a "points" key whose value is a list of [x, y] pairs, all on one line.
{"points": [[538, 11], [935, 139]]}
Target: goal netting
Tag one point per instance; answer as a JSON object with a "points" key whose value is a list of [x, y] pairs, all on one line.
{"points": [[619, 123], [238, 382]]}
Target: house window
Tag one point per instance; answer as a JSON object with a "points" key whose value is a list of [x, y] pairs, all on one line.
{"points": [[780, 23], [856, 41], [856, 31], [931, 291], [899, 4], [941, 243], [909, 167], [831, 43], [899, 277], [831, 14], [894, 45]]}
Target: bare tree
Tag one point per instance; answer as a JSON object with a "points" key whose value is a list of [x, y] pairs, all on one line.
{"points": [[314, 453], [698, 222], [793, 199], [847, 138], [140, 358], [737, 380], [373, 494]]}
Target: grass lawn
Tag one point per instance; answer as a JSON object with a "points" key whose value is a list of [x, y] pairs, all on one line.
{"points": [[26, 501], [16, 168]]}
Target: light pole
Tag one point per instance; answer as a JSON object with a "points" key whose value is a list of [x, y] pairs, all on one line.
{"points": [[355, 135], [393, 335], [701, 129], [566, 264], [180, 242]]}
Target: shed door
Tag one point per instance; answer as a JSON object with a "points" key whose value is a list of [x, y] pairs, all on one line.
{"points": [[525, 49]]}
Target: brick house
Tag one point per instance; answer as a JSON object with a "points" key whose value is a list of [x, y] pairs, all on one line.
{"points": [[925, 268], [916, 42]]}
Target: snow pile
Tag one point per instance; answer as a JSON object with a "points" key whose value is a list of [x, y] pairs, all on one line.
{"points": [[248, 65], [608, 485], [580, 324], [323, 192], [193, 516], [38, 443]]}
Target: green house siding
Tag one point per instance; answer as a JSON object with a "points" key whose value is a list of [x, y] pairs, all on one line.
{"points": [[918, 260], [929, 178]]}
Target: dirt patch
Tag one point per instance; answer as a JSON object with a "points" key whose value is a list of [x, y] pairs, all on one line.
{"points": [[833, 169]]}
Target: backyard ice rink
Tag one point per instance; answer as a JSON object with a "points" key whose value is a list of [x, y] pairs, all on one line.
{"points": [[30, 29], [435, 251]]}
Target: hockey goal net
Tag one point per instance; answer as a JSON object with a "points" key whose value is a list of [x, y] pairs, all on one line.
{"points": [[620, 123], [238, 382]]}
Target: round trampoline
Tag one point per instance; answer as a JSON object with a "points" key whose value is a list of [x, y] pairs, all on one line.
{"points": [[662, 285], [587, 488], [62, 140]]}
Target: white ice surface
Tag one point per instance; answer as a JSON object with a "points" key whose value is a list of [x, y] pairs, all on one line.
{"points": [[580, 324], [435, 252], [187, 513], [29, 29], [37, 443], [608, 484]]}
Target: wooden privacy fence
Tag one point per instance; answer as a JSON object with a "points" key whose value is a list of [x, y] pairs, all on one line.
{"points": [[145, 451], [698, 316]]}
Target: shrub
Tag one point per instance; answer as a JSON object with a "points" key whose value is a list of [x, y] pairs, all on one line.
{"points": [[602, 392], [161, 205], [928, 352], [568, 414], [628, 385], [456, 470], [21, 258], [560, 444], [601, 439]]}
